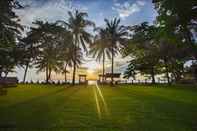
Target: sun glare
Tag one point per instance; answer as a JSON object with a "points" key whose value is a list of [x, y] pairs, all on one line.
{"points": [[90, 71]]}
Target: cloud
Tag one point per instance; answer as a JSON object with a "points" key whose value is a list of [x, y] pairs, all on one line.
{"points": [[47, 10], [141, 3], [126, 9]]}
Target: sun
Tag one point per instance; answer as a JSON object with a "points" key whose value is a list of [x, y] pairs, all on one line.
{"points": [[90, 71]]}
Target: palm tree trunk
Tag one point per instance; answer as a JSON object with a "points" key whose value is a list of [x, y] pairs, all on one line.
{"points": [[153, 75], [0, 73], [6, 74], [74, 72], [74, 68], [65, 71], [26, 68], [103, 79], [112, 68], [167, 71], [47, 78], [65, 78]]}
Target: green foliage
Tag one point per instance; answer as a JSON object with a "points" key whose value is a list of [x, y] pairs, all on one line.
{"points": [[101, 45], [116, 39], [144, 50], [100, 49], [156, 52], [77, 24], [179, 17], [130, 71], [44, 45], [10, 31]]}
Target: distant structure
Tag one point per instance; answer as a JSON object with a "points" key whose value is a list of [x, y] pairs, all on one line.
{"points": [[8, 81], [108, 76], [83, 79]]}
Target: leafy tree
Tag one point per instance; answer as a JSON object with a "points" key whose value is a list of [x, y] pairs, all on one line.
{"points": [[173, 55], [144, 50], [10, 31], [179, 17], [77, 25], [156, 52]]}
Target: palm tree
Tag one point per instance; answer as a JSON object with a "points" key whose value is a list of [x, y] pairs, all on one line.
{"points": [[48, 38], [117, 38], [49, 59], [29, 51], [67, 58], [70, 57], [99, 48], [77, 25]]}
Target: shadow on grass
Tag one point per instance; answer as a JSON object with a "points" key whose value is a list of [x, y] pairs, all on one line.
{"points": [[13, 111], [164, 109], [75, 90]]}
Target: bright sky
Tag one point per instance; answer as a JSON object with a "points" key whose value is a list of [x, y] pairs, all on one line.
{"points": [[131, 12]]}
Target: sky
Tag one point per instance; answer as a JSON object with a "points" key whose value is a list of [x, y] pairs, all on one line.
{"points": [[131, 12]]}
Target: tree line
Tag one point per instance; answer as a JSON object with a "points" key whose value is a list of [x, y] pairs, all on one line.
{"points": [[160, 48]]}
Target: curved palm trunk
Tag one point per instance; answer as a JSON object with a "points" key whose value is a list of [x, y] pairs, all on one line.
{"points": [[74, 65], [26, 68], [103, 79], [112, 68]]}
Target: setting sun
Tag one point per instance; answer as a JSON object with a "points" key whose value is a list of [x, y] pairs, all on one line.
{"points": [[90, 71], [92, 74]]}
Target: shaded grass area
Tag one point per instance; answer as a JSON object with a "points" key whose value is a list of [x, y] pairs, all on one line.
{"points": [[140, 108]]}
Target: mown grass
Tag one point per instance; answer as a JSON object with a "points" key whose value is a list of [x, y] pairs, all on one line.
{"points": [[122, 108]]}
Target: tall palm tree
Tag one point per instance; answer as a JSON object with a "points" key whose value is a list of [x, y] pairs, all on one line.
{"points": [[117, 38], [30, 50], [99, 49], [70, 57], [77, 25]]}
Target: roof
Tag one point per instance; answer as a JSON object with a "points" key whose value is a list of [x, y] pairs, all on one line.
{"points": [[116, 75], [83, 75]]}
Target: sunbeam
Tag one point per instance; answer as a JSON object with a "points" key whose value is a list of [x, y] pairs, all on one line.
{"points": [[97, 103], [103, 99], [98, 95]]}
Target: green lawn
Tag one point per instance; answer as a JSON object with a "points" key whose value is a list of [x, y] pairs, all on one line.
{"points": [[124, 108]]}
